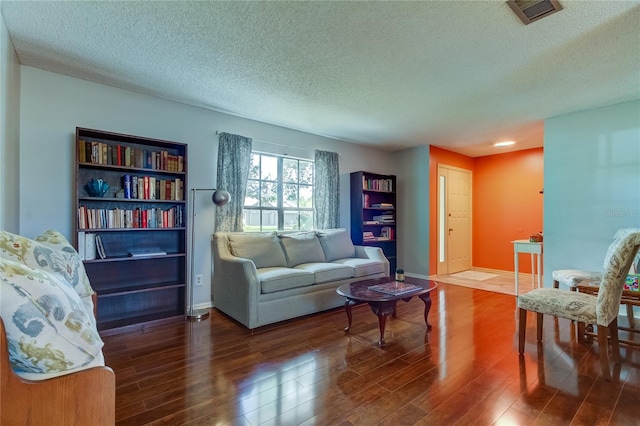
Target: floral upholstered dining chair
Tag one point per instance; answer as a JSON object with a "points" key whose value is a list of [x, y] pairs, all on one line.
{"points": [[600, 310]]}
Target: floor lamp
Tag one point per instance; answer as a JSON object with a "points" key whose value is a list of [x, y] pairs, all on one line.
{"points": [[220, 197]]}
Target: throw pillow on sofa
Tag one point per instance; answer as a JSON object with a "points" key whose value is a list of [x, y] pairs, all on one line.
{"points": [[262, 248], [302, 247], [48, 329], [336, 244]]}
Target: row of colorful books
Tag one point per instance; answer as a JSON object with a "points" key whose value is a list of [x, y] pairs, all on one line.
{"points": [[152, 188], [117, 218], [370, 236], [122, 155], [366, 203], [385, 185]]}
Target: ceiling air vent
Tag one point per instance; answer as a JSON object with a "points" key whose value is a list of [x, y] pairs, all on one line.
{"points": [[532, 10]]}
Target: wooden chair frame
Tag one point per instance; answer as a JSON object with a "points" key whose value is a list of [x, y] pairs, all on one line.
{"points": [[82, 398], [603, 339], [629, 298]]}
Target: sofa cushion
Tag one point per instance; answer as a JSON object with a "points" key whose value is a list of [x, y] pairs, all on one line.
{"points": [[325, 272], [263, 248], [336, 244], [278, 279], [50, 252], [301, 247], [48, 329], [362, 267]]}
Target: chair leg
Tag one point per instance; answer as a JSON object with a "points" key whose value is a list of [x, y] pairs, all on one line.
{"points": [[615, 342], [522, 328], [632, 321], [604, 356], [556, 284], [539, 321], [581, 331]]}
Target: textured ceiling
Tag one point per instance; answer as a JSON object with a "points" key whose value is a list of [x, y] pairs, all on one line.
{"points": [[456, 74]]}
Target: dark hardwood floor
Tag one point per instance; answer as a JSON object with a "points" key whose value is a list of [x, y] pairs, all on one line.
{"points": [[466, 371]]}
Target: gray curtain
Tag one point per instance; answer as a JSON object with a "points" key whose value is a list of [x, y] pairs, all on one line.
{"points": [[234, 160], [326, 190]]}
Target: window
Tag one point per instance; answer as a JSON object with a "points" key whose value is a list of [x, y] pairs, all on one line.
{"points": [[279, 194]]}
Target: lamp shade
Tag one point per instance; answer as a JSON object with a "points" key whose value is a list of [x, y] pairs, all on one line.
{"points": [[220, 197]]}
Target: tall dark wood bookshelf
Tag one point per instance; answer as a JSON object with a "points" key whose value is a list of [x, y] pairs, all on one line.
{"points": [[140, 279], [374, 212]]}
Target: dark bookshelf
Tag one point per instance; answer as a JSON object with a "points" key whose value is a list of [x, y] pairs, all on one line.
{"points": [[374, 212], [133, 292]]}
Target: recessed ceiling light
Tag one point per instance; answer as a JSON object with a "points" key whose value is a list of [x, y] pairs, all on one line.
{"points": [[504, 143]]}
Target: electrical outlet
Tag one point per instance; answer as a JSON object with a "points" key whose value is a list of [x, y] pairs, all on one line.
{"points": [[199, 279]]}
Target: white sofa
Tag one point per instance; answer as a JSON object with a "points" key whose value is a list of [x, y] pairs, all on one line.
{"points": [[260, 278]]}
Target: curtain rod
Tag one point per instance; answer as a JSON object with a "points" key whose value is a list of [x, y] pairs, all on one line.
{"points": [[278, 144]]}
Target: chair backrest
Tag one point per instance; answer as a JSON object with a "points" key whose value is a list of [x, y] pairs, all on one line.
{"points": [[617, 263]]}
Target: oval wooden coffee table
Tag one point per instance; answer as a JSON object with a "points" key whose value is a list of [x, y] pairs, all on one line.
{"points": [[384, 304]]}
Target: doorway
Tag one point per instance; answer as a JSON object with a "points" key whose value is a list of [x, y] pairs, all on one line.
{"points": [[454, 219]]}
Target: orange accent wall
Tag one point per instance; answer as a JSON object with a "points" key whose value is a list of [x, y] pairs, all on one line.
{"points": [[507, 204]]}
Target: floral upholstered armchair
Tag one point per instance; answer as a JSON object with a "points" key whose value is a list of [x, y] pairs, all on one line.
{"points": [[48, 331]]}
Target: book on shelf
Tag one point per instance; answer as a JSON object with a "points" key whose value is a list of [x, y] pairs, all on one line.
{"points": [[383, 205], [384, 218], [100, 247], [395, 288], [126, 184], [82, 154], [81, 241], [149, 251], [387, 232], [89, 246]]}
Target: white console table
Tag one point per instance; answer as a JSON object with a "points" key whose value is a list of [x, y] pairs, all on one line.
{"points": [[535, 249]]}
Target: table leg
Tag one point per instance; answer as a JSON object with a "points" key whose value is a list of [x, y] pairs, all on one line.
{"points": [[426, 298], [533, 272], [347, 307], [515, 261], [539, 272], [382, 311]]}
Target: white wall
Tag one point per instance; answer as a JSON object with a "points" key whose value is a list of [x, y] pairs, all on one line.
{"points": [[9, 133], [52, 105], [591, 184]]}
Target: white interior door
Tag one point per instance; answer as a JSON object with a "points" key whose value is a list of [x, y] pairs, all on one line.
{"points": [[454, 219]]}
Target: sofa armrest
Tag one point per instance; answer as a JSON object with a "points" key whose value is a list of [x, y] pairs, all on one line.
{"points": [[236, 285], [373, 253]]}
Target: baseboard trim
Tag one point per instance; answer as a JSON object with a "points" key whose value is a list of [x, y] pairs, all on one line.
{"points": [[205, 305], [491, 271]]}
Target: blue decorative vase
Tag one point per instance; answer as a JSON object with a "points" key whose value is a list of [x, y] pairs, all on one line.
{"points": [[97, 188]]}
